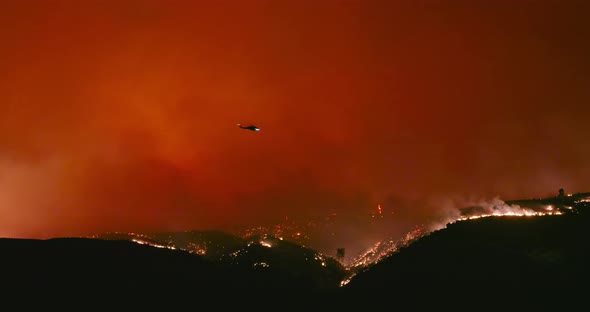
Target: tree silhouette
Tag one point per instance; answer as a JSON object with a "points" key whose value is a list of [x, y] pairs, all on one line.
{"points": [[340, 254]]}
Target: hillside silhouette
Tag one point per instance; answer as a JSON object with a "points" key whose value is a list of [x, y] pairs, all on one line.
{"points": [[123, 267], [212, 245], [536, 259], [492, 259]]}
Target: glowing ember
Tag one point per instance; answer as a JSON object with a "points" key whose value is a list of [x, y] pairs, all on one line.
{"points": [[261, 264], [346, 281], [265, 244]]}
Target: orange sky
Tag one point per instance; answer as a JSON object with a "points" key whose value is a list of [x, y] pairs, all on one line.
{"points": [[121, 115]]}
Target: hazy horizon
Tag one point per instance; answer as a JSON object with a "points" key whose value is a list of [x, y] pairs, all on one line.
{"points": [[122, 115]]}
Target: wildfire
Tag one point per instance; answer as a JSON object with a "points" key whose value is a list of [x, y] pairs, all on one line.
{"points": [[290, 230], [513, 214], [152, 244], [549, 211], [265, 244], [385, 248]]}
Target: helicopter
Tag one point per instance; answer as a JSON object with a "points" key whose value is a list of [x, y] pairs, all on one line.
{"points": [[250, 127]]}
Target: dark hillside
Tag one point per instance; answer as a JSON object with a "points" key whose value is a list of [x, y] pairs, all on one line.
{"points": [[487, 259], [531, 257], [70, 264], [65, 265]]}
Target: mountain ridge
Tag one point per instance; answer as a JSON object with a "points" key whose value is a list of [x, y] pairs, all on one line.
{"points": [[535, 256]]}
